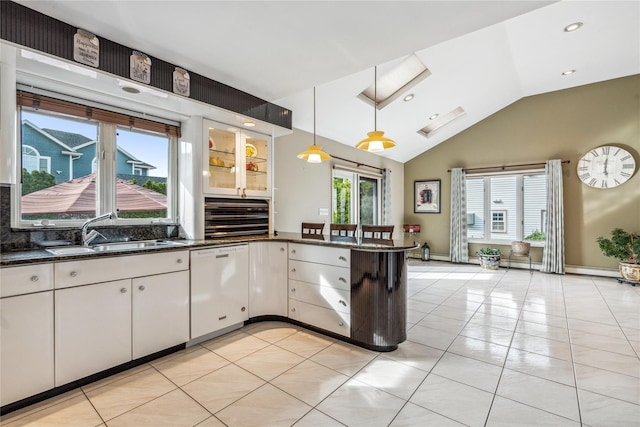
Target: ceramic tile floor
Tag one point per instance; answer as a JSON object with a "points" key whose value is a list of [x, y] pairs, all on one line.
{"points": [[484, 348]]}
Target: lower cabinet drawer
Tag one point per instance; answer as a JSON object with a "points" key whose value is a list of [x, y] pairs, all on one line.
{"points": [[320, 274], [323, 318], [324, 296]]}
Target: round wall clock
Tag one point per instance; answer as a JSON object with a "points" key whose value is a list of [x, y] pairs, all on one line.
{"points": [[606, 167]]}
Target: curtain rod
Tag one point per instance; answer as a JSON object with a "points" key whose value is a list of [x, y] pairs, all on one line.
{"points": [[357, 163], [508, 166]]}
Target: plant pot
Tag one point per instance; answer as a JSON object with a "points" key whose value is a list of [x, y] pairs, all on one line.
{"points": [[520, 248], [489, 262], [630, 271]]}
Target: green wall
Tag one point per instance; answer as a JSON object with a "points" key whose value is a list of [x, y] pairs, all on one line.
{"points": [[557, 125]]}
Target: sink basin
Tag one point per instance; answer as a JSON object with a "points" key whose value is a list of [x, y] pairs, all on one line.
{"points": [[144, 244], [70, 250], [115, 246]]}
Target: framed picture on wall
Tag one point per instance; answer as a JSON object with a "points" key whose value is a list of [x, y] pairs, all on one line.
{"points": [[426, 196]]}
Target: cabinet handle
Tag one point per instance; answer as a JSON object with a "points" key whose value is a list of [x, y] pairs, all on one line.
{"points": [[343, 303], [281, 249], [293, 270], [341, 258], [243, 309], [179, 260], [342, 279], [141, 287], [244, 193], [223, 317], [123, 290], [34, 278], [293, 289], [293, 251], [73, 274], [293, 310], [340, 323]]}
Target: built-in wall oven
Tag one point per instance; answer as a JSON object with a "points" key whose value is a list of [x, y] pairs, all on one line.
{"points": [[225, 217]]}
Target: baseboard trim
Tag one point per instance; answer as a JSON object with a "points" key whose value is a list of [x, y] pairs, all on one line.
{"points": [[570, 269]]}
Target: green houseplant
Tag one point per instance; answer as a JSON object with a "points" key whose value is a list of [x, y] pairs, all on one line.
{"points": [[489, 258], [624, 246]]}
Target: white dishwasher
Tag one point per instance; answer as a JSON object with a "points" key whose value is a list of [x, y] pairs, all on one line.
{"points": [[219, 288]]}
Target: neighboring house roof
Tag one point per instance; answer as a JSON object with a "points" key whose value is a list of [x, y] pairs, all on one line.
{"points": [[78, 196], [69, 138], [72, 142], [47, 135]]}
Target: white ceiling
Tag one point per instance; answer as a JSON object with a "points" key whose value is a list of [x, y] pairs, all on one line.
{"points": [[483, 55]]}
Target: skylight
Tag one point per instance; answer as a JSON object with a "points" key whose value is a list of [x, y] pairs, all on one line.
{"points": [[395, 82], [440, 121]]}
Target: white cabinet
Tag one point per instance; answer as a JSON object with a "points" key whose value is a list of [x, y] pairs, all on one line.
{"points": [[131, 312], [25, 279], [219, 288], [93, 329], [74, 273], [160, 312], [236, 163], [267, 279], [26, 345], [320, 287]]}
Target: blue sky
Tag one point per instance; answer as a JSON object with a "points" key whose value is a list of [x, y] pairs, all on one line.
{"points": [[148, 148]]}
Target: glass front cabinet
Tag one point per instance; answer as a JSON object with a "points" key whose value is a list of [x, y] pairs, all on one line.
{"points": [[237, 162]]}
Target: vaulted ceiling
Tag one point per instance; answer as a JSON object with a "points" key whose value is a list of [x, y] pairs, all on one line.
{"points": [[482, 55]]}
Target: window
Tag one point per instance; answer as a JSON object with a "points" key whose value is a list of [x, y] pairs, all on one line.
{"points": [[76, 167], [514, 204], [499, 221], [356, 197]]}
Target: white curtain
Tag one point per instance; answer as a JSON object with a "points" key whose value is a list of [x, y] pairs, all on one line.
{"points": [[458, 247], [553, 255], [386, 196]]}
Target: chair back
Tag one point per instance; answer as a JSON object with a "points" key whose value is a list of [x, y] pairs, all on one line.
{"points": [[312, 228], [377, 231], [343, 230]]}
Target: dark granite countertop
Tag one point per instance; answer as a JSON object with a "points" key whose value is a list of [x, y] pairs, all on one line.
{"points": [[41, 255]]}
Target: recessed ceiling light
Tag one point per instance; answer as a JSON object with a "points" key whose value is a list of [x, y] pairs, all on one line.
{"points": [[408, 97], [130, 89], [434, 116], [572, 27], [249, 124], [566, 73]]}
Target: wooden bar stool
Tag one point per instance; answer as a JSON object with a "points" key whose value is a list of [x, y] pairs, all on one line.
{"points": [[312, 228], [377, 234], [343, 230]]}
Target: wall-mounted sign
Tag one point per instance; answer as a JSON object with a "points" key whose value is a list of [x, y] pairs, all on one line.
{"points": [[140, 67], [86, 48], [181, 82]]}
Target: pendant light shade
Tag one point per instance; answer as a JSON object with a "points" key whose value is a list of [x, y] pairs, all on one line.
{"points": [[375, 140], [314, 154]]}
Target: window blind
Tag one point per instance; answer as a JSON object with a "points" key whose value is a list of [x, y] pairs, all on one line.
{"points": [[37, 101]]}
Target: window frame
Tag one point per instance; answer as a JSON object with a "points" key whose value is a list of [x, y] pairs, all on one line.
{"points": [[105, 169], [354, 175], [488, 212]]}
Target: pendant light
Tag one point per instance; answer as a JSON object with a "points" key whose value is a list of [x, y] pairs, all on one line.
{"points": [[314, 154], [375, 140]]}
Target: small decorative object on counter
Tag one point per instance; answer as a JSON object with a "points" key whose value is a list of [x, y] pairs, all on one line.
{"points": [[426, 252]]}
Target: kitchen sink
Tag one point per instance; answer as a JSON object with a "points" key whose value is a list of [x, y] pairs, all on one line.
{"points": [[143, 244], [114, 246], [70, 250]]}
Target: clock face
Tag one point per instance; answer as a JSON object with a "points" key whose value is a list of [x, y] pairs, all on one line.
{"points": [[606, 167]]}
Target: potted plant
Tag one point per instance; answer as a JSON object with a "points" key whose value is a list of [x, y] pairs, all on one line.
{"points": [[624, 246], [489, 258]]}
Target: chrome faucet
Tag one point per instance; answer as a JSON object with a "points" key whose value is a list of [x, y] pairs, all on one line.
{"points": [[93, 234]]}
